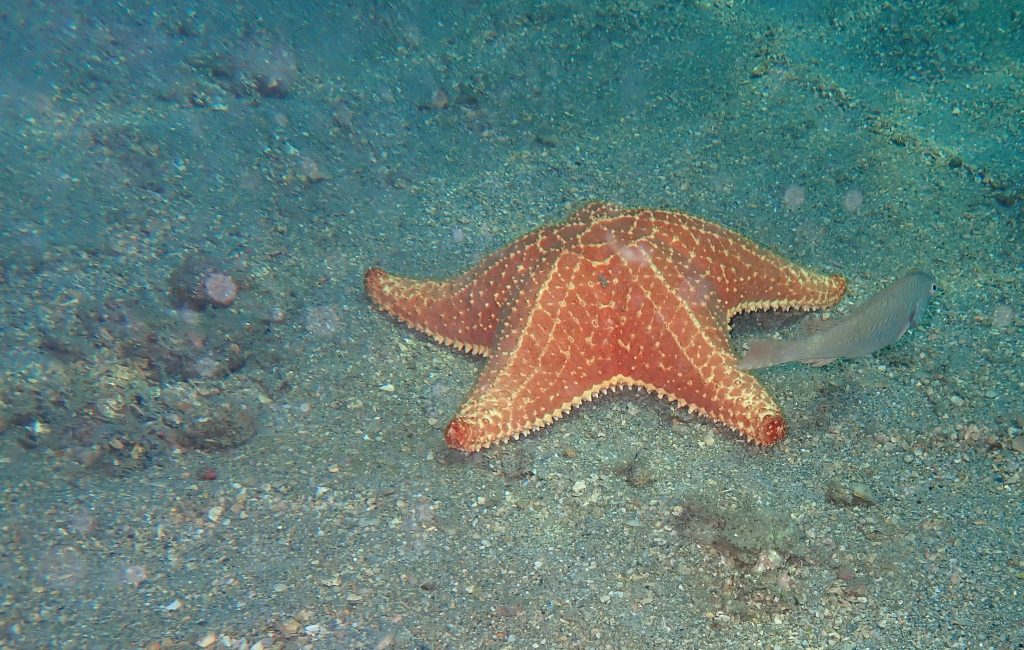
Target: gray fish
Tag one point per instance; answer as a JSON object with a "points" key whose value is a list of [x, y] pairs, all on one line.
{"points": [[877, 322]]}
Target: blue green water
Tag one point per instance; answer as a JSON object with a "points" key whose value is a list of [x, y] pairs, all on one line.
{"points": [[208, 435]]}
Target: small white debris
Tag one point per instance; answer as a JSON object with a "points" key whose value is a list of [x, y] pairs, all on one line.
{"points": [[173, 606], [388, 388], [215, 513], [207, 640], [579, 487]]}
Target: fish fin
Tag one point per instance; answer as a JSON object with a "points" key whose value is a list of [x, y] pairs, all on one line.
{"points": [[817, 363], [763, 353]]}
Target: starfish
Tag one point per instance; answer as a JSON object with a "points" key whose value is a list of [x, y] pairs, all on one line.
{"points": [[610, 298]]}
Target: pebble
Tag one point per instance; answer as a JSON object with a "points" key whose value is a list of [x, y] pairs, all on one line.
{"points": [[207, 640], [173, 606], [290, 626], [214, 514], [850, 493], [277, 315], [579, 487]]}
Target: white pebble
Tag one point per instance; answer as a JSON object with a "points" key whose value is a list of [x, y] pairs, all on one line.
{"points": [[173, 606]]}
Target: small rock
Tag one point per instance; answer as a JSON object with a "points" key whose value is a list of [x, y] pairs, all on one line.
{"points": [[850, 493], [440, 100], [214, 514]]}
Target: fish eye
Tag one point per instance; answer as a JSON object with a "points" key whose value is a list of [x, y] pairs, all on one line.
{"points": [[935, 287]]}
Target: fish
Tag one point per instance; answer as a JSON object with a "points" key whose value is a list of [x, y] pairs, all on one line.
{"points": [[872, 325]]}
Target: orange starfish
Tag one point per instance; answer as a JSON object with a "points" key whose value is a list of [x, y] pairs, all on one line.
{"points": [[612, 297]]}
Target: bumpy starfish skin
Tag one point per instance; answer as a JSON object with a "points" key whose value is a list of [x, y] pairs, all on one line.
{"points": [[612, 297]]}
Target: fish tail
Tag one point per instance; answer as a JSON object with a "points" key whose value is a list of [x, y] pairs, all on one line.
{"points": [[764, 353]]}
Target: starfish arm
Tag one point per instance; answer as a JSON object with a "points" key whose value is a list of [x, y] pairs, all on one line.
{"points": [[681, 351], [551, 355], [745, 275], [434, 308], [779, 284], [463, 312], [699, 373]]}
